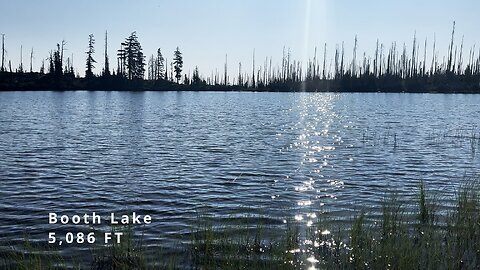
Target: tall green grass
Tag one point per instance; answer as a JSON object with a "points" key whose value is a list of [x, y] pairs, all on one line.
{"points": [[401, 238], [30, 256]]}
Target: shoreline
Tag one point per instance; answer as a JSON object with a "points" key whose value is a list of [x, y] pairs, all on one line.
{"points": [[442, 83]]}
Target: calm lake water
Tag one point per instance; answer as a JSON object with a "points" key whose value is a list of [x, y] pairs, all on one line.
{"points": [[249, 157]]}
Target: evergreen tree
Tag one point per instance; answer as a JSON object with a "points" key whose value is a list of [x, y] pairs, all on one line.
{"points": [[42, 68], [151, 68], [51, 67], [90, 60], [121, 57], [196, 77], [166, 71], [57, 62], [178, 64], [131, 56], [160, 66]]}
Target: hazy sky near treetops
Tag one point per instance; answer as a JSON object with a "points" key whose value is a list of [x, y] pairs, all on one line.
{"points": [[207, 30]]}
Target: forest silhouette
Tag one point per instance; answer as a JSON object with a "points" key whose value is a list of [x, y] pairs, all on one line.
{"points": [[390, 69]]}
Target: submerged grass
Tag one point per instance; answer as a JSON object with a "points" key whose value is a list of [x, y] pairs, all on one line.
{"points": [[401, 238]]}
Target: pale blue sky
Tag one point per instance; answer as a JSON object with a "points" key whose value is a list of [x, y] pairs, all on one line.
{"points": [[207, 30]]}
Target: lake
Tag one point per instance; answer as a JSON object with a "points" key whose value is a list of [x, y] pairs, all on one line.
{"points": [[239, 157]]}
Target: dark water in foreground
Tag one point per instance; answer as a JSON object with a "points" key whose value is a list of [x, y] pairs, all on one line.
{"points": [[260, 157]]}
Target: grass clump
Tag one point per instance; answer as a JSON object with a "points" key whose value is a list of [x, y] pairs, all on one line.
{"points": [[401, 238], [240, 247], [420, 239], [31, 256], [124, 255]]}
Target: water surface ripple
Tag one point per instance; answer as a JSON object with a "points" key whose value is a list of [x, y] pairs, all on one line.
{"points": [[259, 157]]}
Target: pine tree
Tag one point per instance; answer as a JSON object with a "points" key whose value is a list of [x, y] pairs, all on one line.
{"points": [[90, 60], [57, 62], [42, 68], [121, 57], [196, 76], [51, 67], [160, 66], [132, 58], [178, 64]]}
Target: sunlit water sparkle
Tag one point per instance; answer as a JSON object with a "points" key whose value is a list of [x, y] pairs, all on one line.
{"points": [[257, 157]]}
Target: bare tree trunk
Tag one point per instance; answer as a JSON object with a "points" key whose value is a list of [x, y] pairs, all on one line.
{"points": [[450, 49], [354, 71], [375, 62], [341, 64], [253, 69], [433, 68], [270, 71], [283, 65], [424, 57], [460, 60], [2, 69], [106, 68], [225, 75], [21, 59], [413, 64], [324, 61], [240, 82], [61, 53], [31, 61]]}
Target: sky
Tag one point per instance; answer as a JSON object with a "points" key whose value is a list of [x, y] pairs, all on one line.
{"points": [[208, 31]]}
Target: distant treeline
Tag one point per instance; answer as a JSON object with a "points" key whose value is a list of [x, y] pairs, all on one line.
{"points": [[391, 69]]}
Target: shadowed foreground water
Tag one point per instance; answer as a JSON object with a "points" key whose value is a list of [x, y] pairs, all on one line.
{"points": [[255, 157]]}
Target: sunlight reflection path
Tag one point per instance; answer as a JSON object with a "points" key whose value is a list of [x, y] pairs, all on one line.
{"points": [[315, 146]]}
